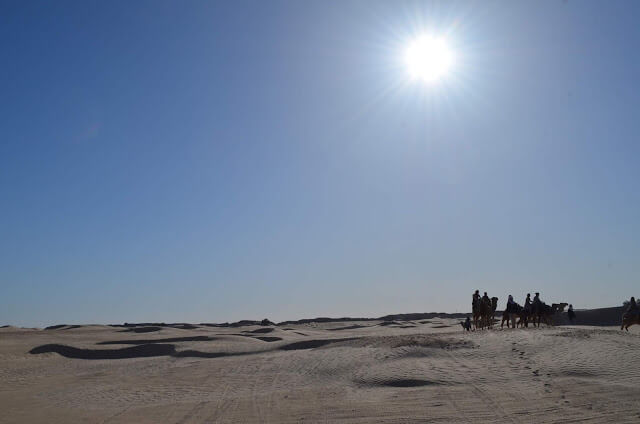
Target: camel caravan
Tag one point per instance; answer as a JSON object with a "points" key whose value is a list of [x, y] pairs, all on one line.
{"points": [[534, 312]]}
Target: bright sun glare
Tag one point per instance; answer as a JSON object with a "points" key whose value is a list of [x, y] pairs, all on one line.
{"points": [[428, 58]]}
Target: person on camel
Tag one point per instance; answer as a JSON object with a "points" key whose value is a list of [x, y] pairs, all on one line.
{"points": [[485, 298], [512, 306], [476, 299], [632, 315], [633, 307], [527, 302], [536, 302]]}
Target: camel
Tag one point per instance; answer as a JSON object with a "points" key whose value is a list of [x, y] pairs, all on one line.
{"points": [[629, 319], [477, 316], [523, 318], [494, 306], [522, 314], [545, 313], [487, 312], [518, 312], [480, 312], [508, 317]]}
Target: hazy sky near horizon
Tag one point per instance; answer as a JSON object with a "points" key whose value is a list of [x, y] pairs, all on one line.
{"points": [[210, 161]]}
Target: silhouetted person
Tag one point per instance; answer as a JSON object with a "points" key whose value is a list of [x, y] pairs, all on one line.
{"points": [[511, 305], [485, 298], [527, 303], [571, 314], [476, 298], [536, 302], [633, 307]]}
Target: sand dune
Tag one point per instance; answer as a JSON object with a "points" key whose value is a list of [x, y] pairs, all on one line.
{"points": [[363, 372]]}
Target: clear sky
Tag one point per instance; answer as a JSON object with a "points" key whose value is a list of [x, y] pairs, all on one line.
{"points": [[215, 161]]}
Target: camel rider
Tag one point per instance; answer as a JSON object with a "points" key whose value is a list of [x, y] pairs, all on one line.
{"points": [[485, 300], [511, 305], [536, 302], [527, 303], [476, 300], [633, 307]]}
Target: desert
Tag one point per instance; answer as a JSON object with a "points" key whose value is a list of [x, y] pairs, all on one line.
{"points": [[371, 371]]}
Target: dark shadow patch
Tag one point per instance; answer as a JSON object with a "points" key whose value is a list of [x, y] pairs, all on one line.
{"points": [[406, 382], [440, 326], [56, 327], [63, 327], [396, 324], [396, 382], [261, 331], [142, 351], [141, 330], [302, 334], [267, 338], [311, 344], [168, 340], [426, 321], [263, 338], [184, 326], [199, 354], [579, 373], [350, 327]]}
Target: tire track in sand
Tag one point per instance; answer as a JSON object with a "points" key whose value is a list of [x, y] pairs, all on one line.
{"points": [[497, 406]]}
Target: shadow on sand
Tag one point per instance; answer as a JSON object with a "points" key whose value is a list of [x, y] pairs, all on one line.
{"points": [[168, 340], [162, 349], [141, 330]]}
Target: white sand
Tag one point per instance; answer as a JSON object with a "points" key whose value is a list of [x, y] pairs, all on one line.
{"points": [[433, 372]]}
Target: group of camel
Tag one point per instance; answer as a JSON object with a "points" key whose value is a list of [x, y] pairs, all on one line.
{"points": [[484, 310], [536, 314], [516, 316]]}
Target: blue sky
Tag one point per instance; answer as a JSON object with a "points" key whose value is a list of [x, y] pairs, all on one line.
{"points": [[215, 161]]}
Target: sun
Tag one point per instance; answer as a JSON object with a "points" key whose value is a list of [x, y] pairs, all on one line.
{"points": [[428, 58]]}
